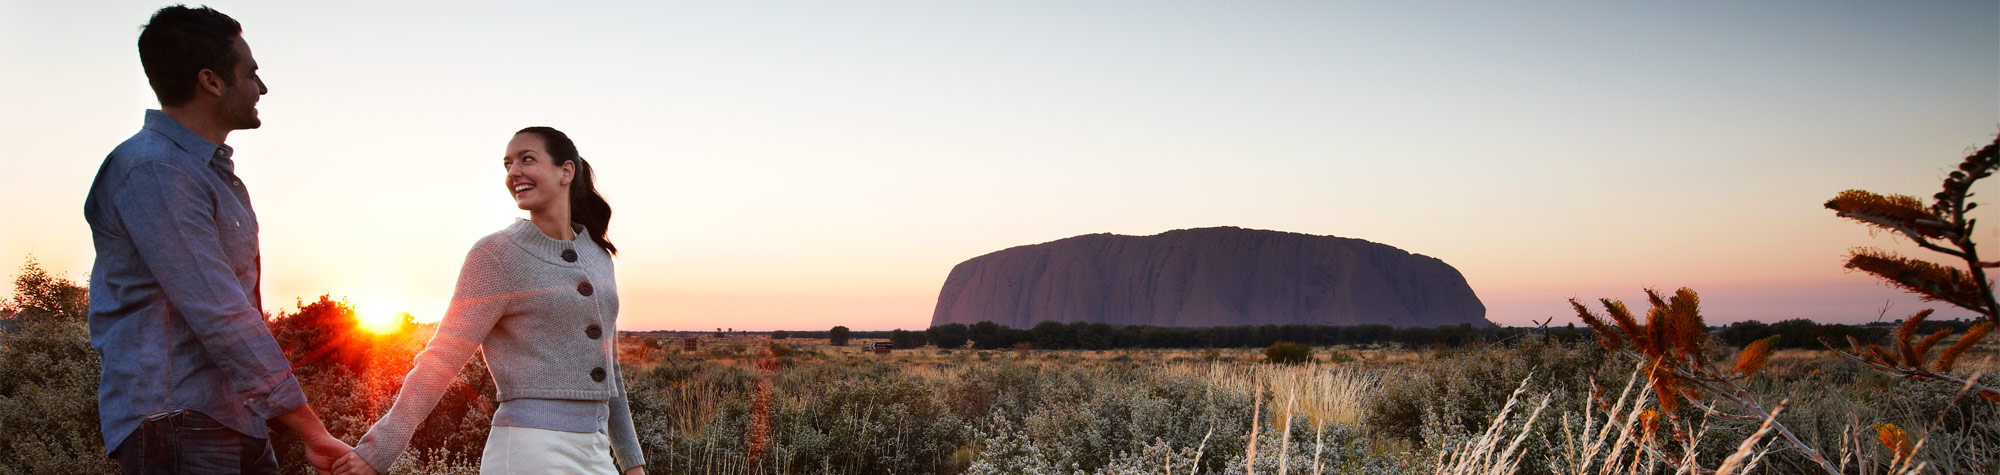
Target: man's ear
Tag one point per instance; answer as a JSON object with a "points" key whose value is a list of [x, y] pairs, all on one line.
{"points": [[207, 80]]}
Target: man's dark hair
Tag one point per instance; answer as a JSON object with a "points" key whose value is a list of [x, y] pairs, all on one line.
{"points": [[179, 42]]}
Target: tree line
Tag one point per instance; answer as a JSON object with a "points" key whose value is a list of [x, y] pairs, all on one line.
{"points": [[1794, 333]]}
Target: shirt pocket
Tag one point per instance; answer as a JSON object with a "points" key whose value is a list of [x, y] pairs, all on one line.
{"points": [[237, 230]]}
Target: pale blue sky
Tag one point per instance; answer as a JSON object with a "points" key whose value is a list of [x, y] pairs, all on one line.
{"points": [[805, 164]]}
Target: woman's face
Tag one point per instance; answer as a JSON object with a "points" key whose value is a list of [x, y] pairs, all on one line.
{"points": [[533, 178]]}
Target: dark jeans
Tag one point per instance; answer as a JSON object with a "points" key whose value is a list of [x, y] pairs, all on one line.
{"points": [[191, 443]]}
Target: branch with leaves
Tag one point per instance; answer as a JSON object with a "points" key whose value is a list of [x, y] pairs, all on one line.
{"points": [[1911, 359], [1673, 345], [1941, 227]]}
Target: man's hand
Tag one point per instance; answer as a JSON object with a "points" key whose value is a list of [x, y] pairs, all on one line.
{"points": [[321, 447], [321, 451], [351, 464], [636, 471]]}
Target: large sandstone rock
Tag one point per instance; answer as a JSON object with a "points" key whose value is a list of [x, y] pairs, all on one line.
{"points": [[1208, 277]]}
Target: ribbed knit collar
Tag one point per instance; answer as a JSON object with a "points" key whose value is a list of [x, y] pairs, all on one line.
{"points": [[525, 234]]}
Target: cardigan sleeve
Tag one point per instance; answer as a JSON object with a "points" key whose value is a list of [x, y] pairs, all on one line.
{"points": [[477, 304], [624, 436]]}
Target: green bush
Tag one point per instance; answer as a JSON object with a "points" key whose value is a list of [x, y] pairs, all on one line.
{"points": [[48, 379]]}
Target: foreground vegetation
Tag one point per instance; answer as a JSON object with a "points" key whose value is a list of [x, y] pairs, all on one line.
{"points": [[761, 406]]}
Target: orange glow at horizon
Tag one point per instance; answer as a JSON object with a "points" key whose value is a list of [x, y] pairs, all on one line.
{"points": [[379, 318]]}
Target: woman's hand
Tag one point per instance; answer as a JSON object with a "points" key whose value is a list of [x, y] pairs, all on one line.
{"points": [[636, 471], [322, 451], [351, 464]]}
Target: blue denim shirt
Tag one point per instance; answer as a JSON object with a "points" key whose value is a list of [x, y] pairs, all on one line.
{"points": [[174, 304]]}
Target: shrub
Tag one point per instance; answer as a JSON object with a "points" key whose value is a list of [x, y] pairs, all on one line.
{"points": [[948, 336], [837, 336], [1339, 357], [1286, 352], [48, 382]]}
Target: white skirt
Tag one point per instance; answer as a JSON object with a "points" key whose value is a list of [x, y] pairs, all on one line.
{"points": [[521, 450]]}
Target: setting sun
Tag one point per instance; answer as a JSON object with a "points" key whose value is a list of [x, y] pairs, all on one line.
{"points": [[379, 318]]}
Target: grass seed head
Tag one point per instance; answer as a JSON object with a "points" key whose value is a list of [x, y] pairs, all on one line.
{"points": [[1971, 338], [1755, 356], [1889, 212], [1924, 347], [1626, 323], [1605, 335], [1906, 332], [1929, 280], [1879, 355]]}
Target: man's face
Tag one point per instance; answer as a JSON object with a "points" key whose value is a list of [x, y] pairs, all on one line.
{"points": [[239, 98]]}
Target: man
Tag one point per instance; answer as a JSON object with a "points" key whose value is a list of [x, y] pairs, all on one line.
{"points": [[191, 374]]}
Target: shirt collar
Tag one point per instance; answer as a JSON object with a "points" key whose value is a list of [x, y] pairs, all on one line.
{"points": [[525, 234], [187, 140]]}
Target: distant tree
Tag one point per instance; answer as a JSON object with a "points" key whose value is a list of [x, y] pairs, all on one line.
{"points": [[780, 335], [837, 336], [906, 339], [986, 336], [1286, 352], [1093, 336], [1053, 335], [1009, 337], [948, 336], [39, 296]]}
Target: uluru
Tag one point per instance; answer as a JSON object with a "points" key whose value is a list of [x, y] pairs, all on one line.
{"points": [[1223, 276]]}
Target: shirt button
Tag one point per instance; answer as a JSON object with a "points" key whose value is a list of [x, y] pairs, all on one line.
{"points": [[593, 331], [569, 255], [597, 374], [584, 288]]}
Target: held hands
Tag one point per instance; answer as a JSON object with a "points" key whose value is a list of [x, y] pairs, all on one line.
{"points": [[323, 449], [351, 464]]}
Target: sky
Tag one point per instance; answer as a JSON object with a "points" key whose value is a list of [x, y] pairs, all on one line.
{"points": [[800, 165]]}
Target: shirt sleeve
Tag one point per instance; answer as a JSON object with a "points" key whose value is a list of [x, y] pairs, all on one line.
{"points": [[171, 220], [477, 304], [624, 436]]}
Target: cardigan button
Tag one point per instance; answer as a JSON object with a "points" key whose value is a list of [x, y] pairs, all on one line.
{"points": [[584, 288], [597, 374], [569, 255], [593, 331]]}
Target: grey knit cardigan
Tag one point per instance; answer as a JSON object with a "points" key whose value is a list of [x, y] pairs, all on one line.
{"points": [[546, 311]]}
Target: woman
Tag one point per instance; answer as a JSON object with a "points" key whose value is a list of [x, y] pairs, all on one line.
{"points": [[540, 297]]}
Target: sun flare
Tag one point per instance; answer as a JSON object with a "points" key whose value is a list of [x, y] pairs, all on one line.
{"points": [[379, 318]]}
